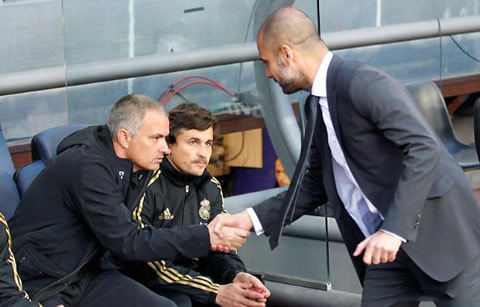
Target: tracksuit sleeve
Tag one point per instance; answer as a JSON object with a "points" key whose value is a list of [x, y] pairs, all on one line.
{"points": [[222, 267], [11, 289], [102, 207], [162, 275]]}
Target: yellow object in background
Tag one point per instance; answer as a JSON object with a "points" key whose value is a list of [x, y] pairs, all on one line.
{"points": [[244, 149], [280, 174]]}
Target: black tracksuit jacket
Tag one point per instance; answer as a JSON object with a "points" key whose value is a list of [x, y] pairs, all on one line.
{"points": [[74, 211], [174, 200], [11, 289]]}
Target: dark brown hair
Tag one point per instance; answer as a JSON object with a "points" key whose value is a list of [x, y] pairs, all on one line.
{"points": [[189, 115]]}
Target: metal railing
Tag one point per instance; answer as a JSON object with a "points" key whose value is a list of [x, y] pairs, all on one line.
{"points": [[79, 74]]}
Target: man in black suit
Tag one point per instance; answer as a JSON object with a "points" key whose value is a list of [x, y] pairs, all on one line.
{"points": [[401, 200]]}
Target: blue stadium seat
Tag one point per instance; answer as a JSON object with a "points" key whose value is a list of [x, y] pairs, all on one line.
{"points": [[8, 191], [44, 144], [26, 173], [44, 147], [6, 163], [431, 103], [9, 197]]}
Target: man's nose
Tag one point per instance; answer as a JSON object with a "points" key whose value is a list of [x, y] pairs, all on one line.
{"points": [[202, 152], [164, 148]]}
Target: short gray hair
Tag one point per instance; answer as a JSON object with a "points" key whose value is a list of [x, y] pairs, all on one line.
{"points": [[128, 113]]}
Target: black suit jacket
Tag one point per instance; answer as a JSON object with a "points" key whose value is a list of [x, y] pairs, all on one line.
{"points": [[400, 166]]}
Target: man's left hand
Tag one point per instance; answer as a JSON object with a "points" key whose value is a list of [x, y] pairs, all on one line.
{"points": [[256, 284], [380, 247]]}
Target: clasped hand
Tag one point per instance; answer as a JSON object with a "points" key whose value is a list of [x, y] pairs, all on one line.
{"points": [[245, 290], [229, 232], [227, 238]]}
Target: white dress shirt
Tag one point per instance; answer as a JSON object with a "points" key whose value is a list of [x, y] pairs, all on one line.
{"points": [[360, 208], [363, 212]]}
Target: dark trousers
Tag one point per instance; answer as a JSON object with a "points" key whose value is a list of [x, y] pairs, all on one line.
{"points": [[402, 283], [181, 299], [107, 288]]}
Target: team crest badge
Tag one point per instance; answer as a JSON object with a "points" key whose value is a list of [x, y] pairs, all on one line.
{"points": [[204, 210]]}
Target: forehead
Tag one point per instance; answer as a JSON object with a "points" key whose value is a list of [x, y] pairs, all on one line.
{"points": [[260, 44], [264, 53], [155, 121], [187, 134]]}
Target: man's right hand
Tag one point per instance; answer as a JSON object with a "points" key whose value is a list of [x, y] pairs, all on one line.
{"points": [[231, 239], [220, 222], [239, 294], [239, 220]]}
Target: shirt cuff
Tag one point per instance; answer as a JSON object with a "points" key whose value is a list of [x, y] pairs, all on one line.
{"points": [[395, 235], [255, 221]]}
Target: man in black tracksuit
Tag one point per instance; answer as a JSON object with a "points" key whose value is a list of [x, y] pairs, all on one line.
{"points": [[74, 211], [183, 193], [11, 289]]}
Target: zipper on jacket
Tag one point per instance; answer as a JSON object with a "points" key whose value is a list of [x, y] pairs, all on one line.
{"points": [[187, 189]]}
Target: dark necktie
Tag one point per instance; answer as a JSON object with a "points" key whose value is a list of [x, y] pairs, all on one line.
{"points": [[288, 204]]}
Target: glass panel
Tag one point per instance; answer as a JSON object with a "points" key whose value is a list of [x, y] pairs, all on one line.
{"points": [[371, 13], [99, 31], [413, 60], [421, 59], [112, 30], [105, 30], [86, 107], [32, 38], [435, 58]]}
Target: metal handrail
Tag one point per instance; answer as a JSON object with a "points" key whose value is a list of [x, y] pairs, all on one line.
{"points": [[79, 74]]}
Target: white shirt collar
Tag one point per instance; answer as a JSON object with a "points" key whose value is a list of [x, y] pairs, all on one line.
{"points": [[319, 87]]}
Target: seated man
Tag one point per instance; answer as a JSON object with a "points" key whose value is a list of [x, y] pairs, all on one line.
{"points": [[11, 289], [74, 212], [183, 193]]}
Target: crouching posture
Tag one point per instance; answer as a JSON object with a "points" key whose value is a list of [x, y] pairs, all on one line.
{"points": [[183, 193]]}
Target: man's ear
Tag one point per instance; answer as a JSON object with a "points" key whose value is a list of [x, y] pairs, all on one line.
{"points": [[287, 53], [123, 137]]}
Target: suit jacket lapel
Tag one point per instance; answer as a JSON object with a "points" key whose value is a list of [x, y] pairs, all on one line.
{"points": [[328, 178], [332, 97], [321, 141]]}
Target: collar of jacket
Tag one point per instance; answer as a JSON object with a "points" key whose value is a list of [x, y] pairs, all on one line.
{"points": [[180, 178], [98, 138], [106, 143]]}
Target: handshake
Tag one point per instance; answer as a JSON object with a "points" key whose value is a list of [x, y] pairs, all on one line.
{"points": [[229, 232]]}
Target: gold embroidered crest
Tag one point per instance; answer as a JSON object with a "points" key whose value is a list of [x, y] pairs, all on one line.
{"points": [[204, 210]]}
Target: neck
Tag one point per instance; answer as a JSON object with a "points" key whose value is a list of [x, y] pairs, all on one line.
{"points": [[120, 152], [174, 166], [312, 63]]}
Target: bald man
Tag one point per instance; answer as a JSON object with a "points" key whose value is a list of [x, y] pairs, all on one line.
{"points": [[403, 205]]}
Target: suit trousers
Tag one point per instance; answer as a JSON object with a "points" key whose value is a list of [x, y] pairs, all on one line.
{"points": [[403, 283], [107, 288]]}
